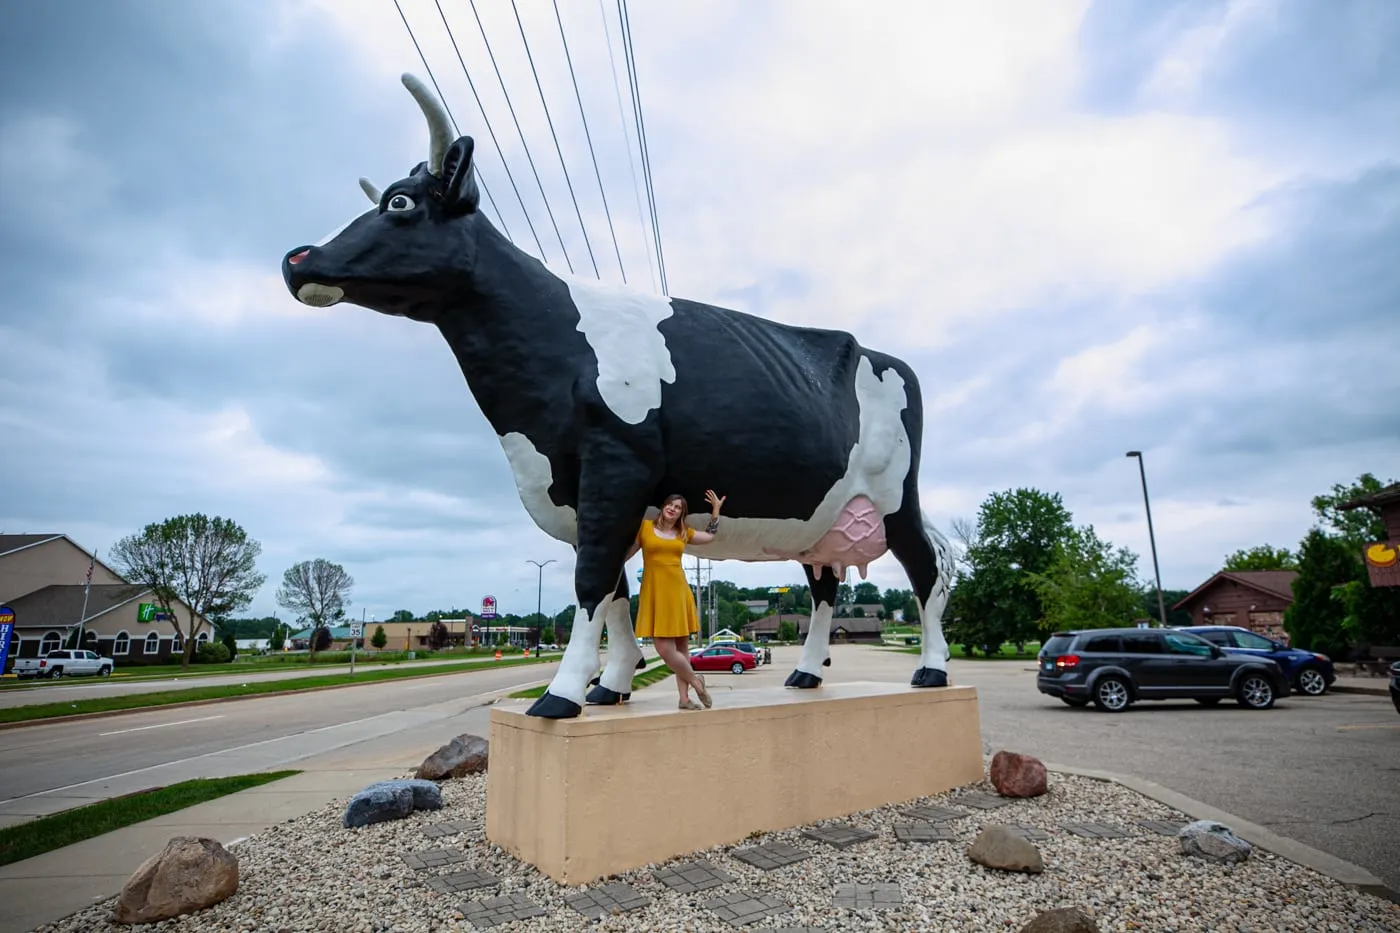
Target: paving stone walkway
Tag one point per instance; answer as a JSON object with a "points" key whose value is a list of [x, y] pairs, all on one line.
{"points": [[498, 910], [689, 877], [867, 896], [923, 832], [460, 882], [743, 907], [597, 903], [771, 855], [451, 828], [435, 858], [838, 835]]}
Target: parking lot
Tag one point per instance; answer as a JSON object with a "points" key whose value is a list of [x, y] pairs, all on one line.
{"points": [[1322, 770]]}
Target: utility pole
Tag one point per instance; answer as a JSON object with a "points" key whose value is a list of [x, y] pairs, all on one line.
{"points": [[1152, 540], [539, 590]]}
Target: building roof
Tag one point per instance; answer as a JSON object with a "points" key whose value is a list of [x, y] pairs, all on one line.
{"points": [[60, 606], [338, 632], [858, 624], [771, 623], [1390, 495], [1274, 582], [11, 543]]}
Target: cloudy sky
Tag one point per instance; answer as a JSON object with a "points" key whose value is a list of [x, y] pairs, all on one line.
{"points": [[1090, 227]]}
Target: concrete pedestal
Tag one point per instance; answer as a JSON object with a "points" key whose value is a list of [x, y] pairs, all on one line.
{"points": [[624, 786]]}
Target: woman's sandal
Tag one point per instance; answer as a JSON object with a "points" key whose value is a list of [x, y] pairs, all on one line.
{"points": [[688, 703], [702, 692]]}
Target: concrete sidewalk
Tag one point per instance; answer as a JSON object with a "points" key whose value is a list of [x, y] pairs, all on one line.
{"points": [[1353, 683]]}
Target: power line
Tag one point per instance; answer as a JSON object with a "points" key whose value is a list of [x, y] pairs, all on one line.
{"points": [[471, 84], [526, 145], [479, 177], [588, 136], [567, 181], [626, 139], [629, 51]]}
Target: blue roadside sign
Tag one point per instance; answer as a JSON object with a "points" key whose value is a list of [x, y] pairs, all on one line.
{"points": [[7, 626]]}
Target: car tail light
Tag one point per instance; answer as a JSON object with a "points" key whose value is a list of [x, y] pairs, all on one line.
{"points": [[43, 663], [1067, 661]]}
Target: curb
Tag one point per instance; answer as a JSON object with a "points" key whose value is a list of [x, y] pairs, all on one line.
{"points": [[1368, 691], [105, 714], [1321, 862]]}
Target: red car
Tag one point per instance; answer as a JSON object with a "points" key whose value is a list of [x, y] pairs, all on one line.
{"points": [[722, 659]]}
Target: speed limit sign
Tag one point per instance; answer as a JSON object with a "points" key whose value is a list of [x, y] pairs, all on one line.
{"points": [[357, 631]]}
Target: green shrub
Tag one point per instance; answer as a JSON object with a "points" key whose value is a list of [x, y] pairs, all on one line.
{"points": [[211, 653]]}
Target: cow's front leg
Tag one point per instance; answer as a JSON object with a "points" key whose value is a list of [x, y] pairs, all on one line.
{"points": [[816, 650], [614, 481], [615, 684]]}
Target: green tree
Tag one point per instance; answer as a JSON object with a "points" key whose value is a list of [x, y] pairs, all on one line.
{"points": [[1147, 608], [231, 644], [1355, 526], [1263, 557], [278, 639], [787, 630], [1089, 584], [379, 639], [402, 615], [866, 593], [318, 591], [209, 564], [1316, 621]]}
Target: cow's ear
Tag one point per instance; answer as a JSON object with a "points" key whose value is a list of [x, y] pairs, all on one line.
{"points": [[459, 177]]}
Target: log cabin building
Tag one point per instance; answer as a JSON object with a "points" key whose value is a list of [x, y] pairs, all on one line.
{"points": [[1252, 599]]}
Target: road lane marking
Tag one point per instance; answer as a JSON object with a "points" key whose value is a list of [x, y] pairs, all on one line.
{"points": [[161, 725], [1368, 725]]}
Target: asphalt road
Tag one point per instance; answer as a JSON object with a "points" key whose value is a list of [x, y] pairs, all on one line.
{"points": [[1322, 770], [46, 768], [86, 688]]}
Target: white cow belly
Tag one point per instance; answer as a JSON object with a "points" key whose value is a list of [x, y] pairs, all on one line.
{"points": [[533, 479]]}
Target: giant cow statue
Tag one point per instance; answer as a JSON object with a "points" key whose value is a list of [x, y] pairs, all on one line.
{"points": [[605, 400]]}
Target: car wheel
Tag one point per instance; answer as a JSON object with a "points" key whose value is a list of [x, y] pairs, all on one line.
{"points": [[105, 672], [1207, 701], [736, 668], [1111, 695], [1311, 682], [1076, 702], [1256, 692]]}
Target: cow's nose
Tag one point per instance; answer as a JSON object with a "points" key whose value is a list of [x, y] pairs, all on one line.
{"points": [[297, 257]]}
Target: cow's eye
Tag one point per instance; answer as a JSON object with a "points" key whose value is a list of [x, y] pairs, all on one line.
{"points": [[399, 202]]}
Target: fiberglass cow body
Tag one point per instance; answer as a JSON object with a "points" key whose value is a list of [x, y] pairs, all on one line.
{"points": [[605, 400]]}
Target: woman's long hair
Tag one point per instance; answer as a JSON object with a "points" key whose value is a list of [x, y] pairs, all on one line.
{"points": [[680, 519]]}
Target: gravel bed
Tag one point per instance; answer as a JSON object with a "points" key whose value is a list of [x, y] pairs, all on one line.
{"points": [[310, 874]]}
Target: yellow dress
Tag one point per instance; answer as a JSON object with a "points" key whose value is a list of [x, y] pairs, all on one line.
{"points": [[666, 606]]}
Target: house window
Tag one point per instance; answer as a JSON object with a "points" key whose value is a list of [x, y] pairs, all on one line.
{"points": [[50, 642], [176, 645], [122, 644], [90, 636], [203, 638], [152, 645]]}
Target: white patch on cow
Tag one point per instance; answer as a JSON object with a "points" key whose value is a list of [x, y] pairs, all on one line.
{"points": [[580, 661], [623, 653], [932, 605], [876, 469], [623, 328], [817, 648], [533, 479]]}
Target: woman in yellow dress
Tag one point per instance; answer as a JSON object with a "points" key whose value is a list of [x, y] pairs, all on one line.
{"points": [[666, 606]]}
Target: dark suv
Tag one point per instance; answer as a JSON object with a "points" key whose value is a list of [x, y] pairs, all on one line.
{"points": [[1115, 667], [1309, 673]]}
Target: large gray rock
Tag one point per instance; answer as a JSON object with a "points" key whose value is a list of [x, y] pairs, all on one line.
{"points": [[189, 874], [391, 800], [998, 847], [1062, 920], [1211, 840], [466, 754]]}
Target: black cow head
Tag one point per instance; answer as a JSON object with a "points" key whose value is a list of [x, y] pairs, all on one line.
{"points": [[416, 247]]}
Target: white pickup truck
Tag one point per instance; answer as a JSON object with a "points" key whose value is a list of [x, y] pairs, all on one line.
{"points": [[64, 663]]}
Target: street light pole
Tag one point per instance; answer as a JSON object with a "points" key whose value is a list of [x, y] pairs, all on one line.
{"points": [[539, 590], [1152, 540]]}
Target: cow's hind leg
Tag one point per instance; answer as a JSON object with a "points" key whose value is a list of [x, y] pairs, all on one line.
{"points": [[615, 684], [927, 559], [816, 650]]}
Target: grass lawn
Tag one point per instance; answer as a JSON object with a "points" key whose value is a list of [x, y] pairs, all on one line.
{"points": [[61, 829], [1007, 652], [167, 697], [657, 672]]}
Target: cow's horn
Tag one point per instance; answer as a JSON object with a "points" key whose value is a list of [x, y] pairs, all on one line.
{"points": [[370, 191], [439, 125]]}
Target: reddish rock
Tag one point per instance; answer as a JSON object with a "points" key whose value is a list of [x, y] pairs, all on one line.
{"points": [[1016, 775]]}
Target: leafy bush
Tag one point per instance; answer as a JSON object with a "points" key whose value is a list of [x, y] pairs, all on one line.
{"points": [[211, 653], [321, 640], [380, 639]]}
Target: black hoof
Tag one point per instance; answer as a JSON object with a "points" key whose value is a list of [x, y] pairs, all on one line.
{"points": [[802, 680], [641, 663], [550, 706], [596, 681], [928, 677], [602, 696], [826, 663]]}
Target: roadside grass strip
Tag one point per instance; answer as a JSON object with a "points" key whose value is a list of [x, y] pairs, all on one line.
{"points": [[69, 826], [171, 697], [657, 672]]}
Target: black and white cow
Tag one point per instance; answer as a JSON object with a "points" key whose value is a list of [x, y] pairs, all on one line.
{"points": [[605, 400]]}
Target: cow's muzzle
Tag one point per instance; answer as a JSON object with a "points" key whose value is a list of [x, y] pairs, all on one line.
{"points": [[315, 294]]}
